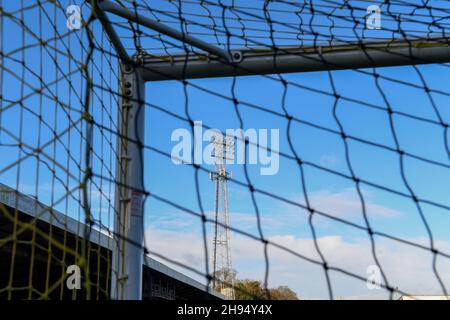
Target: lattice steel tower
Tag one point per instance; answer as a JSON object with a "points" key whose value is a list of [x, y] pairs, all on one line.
{"points": [[223, 149]]}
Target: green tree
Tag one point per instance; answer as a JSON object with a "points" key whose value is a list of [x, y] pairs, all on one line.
{"points": [[282, 293], [254, 290]]}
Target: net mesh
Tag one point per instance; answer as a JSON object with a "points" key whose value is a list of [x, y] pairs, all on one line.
{"points": [[361, 181]]}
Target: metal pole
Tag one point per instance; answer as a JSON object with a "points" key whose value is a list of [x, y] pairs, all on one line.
{"points": [[111, 7], [305, 59], [214, 283], [127, 253]]}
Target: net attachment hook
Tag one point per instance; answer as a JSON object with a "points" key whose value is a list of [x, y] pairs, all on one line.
{"points": [[237, 56]]}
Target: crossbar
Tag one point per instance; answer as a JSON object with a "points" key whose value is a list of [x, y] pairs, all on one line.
{"points": [[305, 59]]}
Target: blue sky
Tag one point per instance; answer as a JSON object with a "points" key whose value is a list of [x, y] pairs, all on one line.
{"points": [[175, 233]]}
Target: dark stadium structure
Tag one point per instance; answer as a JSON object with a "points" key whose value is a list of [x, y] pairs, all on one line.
{"points": [[42, 264]]}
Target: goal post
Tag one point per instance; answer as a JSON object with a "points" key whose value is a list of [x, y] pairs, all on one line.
{"points": [[128, 242]]}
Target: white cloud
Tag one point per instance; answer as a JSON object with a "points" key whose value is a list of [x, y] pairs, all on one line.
{"points": [[328, 160], [407, 267], [346, 203]]}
